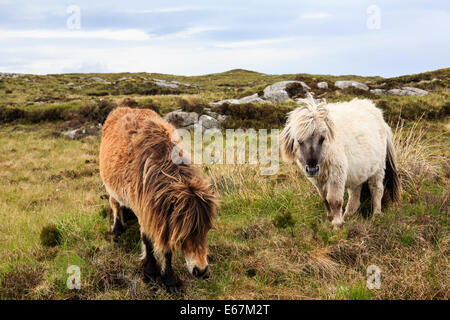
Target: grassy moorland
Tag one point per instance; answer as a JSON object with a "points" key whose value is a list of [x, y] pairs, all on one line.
{"points": [[272, 239]]}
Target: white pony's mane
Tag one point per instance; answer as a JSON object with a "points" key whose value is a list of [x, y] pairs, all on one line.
{"points": [[307, 119]]}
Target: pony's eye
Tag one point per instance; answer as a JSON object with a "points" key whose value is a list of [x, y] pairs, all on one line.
{"points": [[300, 142], [322, 138]]}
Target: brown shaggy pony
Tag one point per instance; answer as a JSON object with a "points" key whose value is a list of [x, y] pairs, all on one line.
{"points": [[173, 204]]}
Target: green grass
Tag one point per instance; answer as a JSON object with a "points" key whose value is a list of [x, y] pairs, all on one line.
{"points": [[357, 292]]}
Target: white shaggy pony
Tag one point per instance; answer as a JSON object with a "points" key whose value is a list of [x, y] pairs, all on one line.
{"points": [[341, 146]]}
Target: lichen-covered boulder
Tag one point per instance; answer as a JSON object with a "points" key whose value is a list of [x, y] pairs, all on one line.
{"points": [[322, 85], [354, 84], [208, 122], [277, 91], [408, 91], [181, 118], [249, 99]]}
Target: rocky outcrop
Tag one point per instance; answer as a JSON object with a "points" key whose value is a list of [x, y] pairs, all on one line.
{"points": [[378, 91], [208, 122], [4, 75], [83, 132], [249, 99], [277, 91], [404, 91], [191, 120], [349, 83], [322, 85], [100, 80], [172, 84], [408, 91], [181, 118], [165, 84]]}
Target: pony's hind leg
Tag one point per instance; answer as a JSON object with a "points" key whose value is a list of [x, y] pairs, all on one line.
{"points": [[376, 191], [354, 195], [118, 223]]}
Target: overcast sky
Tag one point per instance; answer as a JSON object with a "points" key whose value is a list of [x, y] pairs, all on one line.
{"points": [[386, 38]]}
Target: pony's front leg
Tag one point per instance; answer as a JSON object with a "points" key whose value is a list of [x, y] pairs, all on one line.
{"points": [[151, 268], [173, 284], [335, 199]]}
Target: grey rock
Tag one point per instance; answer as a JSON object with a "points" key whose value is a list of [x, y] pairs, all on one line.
{"points": [[408, 91], [378, 91], [277, 91], [347, 84], [97, 79], [229, 101], [74, 134], [195, 126], [83, 132], [222, 117], [252, 99], [322, 85], [208, 122], [249, 99], [181, 118], [165, 84], [4, 75]]}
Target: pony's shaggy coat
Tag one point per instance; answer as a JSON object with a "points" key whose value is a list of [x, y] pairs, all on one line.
{"points": [[173, 204], [357, 148]]}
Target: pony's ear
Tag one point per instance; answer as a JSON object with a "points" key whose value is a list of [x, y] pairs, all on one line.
{"points": [[287, 144]]}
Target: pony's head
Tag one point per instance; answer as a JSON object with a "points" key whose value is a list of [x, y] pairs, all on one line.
{"points": [[307, 135], [192, 218]]}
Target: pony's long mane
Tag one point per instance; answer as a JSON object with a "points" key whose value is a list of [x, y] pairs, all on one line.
{"points": [[178, 203], [305, 121]]}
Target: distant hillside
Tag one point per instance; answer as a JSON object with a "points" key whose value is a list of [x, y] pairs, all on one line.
{"points": [[36, 98]]}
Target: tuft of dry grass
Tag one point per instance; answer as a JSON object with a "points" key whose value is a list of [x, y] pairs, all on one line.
{"points": [[419, 157]]}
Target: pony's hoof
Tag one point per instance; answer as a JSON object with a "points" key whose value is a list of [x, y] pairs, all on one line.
{"points": [[337, 223], [173, 289], [149, 278], [376, 214]]}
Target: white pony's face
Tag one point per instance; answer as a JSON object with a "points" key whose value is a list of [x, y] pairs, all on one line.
{"points": [[310, 153], [307, 136]]}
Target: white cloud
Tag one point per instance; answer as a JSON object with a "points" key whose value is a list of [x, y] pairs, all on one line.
{"points": [[162, 10], [252, 43], [315, 15], [189, 32], [119, 35], [123, 35]]}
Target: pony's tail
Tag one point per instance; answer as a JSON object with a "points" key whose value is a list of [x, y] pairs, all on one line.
{"points": [[391, 179]]}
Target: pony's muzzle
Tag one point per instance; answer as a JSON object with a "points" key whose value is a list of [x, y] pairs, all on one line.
{"points": [[204, 274], [312, 171]]}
